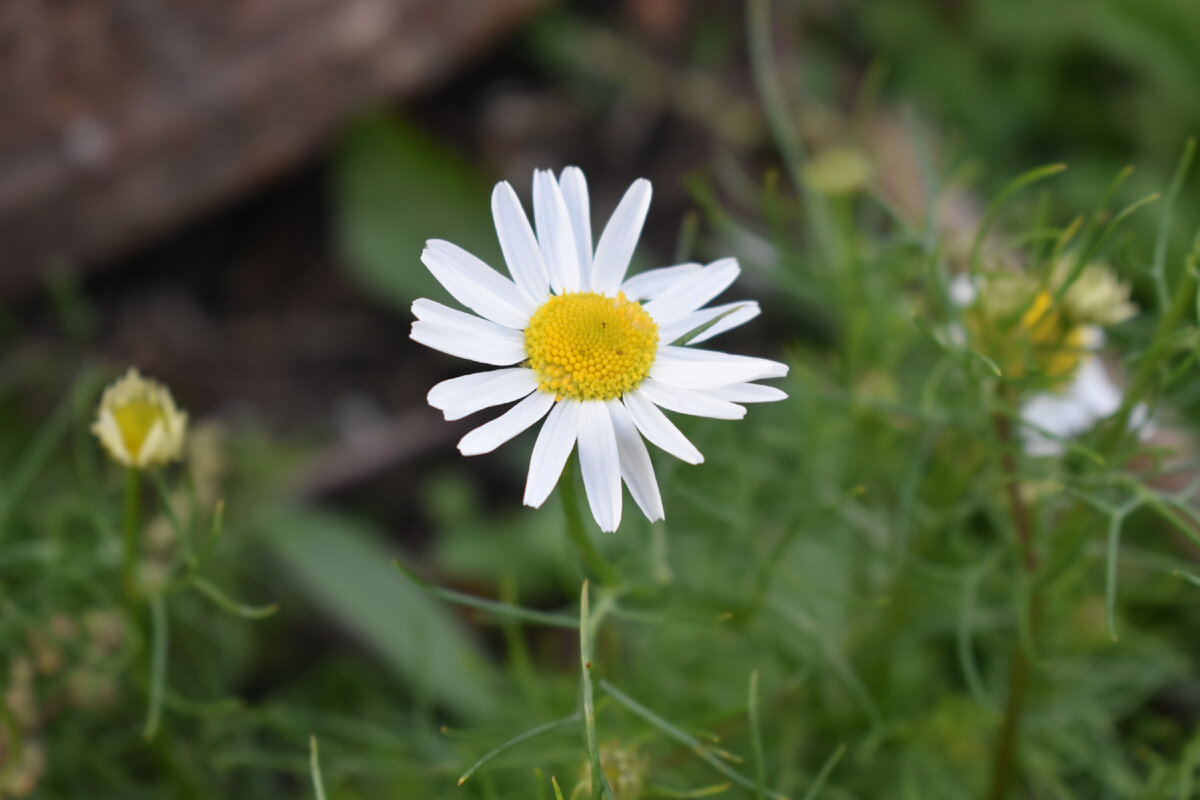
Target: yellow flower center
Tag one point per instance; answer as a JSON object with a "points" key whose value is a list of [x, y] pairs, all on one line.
{"points": [[1056, 347], [586, 346], [135, 419]]}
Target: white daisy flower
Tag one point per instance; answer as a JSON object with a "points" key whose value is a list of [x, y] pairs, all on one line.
{"points": [[595, 353]]}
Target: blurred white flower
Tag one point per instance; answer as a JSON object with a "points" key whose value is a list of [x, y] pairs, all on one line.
{"points": [[1050, 417]]}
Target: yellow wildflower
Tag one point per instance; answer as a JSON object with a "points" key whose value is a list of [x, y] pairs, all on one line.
{"points": [[1096, 297], [839, 170], [138, 423]]}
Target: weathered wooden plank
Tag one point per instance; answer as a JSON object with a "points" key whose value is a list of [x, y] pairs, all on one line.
{"points": [[121, 119]]}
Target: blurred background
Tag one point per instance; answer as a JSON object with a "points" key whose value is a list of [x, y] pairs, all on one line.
{"points": [[234, 197], [237, 196]]}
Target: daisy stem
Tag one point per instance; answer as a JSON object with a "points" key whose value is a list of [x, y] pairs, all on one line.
{"points": [[130, 533], [596, 561]]}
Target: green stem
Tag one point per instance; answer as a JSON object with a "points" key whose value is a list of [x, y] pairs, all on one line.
{"points": [[1004, 761], [1005, 767], [1022, 524], [573, 511], [130, 534]]}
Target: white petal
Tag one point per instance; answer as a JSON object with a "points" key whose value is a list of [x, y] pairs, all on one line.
{"points": [[692, 368], [636, 469], [689, 401], [483, 349], [464, 335], [518, 243], [731, 316], [1094, 390], [554, 444], [620, 236], [962, 290], [459, 397], [655, 426], [1090, 397], [687, 296], [476, 285], [653, 282], [443, 316], [109, 431], [155, 440], [487, 438], [748, 393], [575, 195], [600, 464], [555, 237]]}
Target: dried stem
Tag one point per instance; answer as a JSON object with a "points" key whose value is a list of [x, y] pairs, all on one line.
{"points": [[1004, 759]]}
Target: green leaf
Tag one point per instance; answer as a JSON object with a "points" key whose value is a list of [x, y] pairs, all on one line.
{"points": [[395, 188], [346, 568]]}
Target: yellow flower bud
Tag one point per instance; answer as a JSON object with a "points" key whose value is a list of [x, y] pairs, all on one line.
{"points": [[138, 423], [839, 170], [1096, 297]]}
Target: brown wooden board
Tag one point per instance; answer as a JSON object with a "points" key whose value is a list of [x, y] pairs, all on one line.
{"points": [[120, 119]]}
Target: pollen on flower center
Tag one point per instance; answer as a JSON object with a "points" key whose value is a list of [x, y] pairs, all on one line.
{"points": [[586, 346]]}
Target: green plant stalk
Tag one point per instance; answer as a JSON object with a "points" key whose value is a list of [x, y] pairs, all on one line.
{"points": [[130, 534], [596, 561], [1022, 524], [1004, 758], [600, 788]]}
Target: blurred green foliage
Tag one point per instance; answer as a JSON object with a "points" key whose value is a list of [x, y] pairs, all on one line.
{"points": [[395, 187], [349, 573], [1092, 81]]}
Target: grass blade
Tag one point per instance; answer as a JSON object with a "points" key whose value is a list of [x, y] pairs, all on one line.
{"points": [[1012, 187], [490, 606], [1158, 267], [702, 327], [1115, 522], [229, 604], [825, 772], [314, 767], [691, 742], [158, 664], [600, 787], [756, 745], [689, 794], [516, 740]]}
